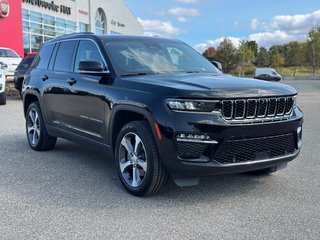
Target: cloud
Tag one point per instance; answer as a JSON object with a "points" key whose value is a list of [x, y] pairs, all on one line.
{"points": [[187, 1], [279, 30], [201, 47], [284, 28], [267, 39], [255, 24], [181, 14], [296, 24], [159, 28]]}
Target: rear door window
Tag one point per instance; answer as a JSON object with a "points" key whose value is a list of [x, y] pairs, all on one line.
{"points": [[64, 58], [43, 58]]}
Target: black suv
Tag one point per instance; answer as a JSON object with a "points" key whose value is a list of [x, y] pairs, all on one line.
{"points": [[160, 109]]}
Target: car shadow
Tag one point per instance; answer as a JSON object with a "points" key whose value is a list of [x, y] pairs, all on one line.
{"points": [[74, 176]]}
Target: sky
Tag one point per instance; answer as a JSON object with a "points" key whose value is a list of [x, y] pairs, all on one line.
{"points": [[205, 23]]}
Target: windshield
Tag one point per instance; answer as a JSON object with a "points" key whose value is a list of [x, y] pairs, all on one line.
{"points": [[154, 56], [8, 53]]}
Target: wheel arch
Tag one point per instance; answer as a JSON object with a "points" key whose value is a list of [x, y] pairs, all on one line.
{"points": [[123, 114], [28, 99]]}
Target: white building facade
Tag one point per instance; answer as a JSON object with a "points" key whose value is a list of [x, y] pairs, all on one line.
{"points": [[45, 19]]}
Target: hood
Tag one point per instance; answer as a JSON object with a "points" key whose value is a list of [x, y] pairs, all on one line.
{"points": [[216, 86]]}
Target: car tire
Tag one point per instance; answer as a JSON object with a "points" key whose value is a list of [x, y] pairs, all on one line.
{"points": [[37, 135], [3, 98], [137, 160]]}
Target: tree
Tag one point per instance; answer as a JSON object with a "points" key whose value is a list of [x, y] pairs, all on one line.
{"points": [[253, 46], [226, 54], [245, 57], [210, 53], [277, 49], [293, 55], [263, 58], [276, 59], [314, 48]]}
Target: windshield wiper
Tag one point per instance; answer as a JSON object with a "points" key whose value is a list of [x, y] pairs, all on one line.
{"points": [[136, 74]]}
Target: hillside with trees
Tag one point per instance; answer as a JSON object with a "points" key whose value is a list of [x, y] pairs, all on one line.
{"points": [[291, 59]]}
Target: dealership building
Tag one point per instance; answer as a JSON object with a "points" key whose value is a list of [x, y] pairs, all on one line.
{"points": [[26, 24]]}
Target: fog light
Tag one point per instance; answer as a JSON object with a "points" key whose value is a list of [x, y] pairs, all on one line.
{"points": [[299, 136], [198, 138]]}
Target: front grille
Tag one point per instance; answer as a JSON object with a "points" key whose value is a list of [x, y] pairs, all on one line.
{"points": [[187, 150], [260, 108], [254, 149]]}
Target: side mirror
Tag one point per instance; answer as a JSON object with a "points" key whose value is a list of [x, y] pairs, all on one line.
{"points": [[217, 65], [90, 66], [3, 66]]}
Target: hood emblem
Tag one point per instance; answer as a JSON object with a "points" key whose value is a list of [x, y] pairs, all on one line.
{"points": [[262, 92]]}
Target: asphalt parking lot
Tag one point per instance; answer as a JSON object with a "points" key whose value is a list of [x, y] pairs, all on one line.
{"points": [[73, 192]]}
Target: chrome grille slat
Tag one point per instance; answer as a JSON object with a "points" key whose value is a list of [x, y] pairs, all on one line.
{"points": [[289, 105], [257, 109], [239, 109], [251, 108], [281, 106], [262, 108], [227, 109], [272, 107]]}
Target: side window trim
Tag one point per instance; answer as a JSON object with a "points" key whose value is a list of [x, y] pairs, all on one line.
{"points": [[73, 54], [53, 56], [35, 62], [97, 48]]}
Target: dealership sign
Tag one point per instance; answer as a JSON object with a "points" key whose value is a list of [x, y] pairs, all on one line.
{"points": [[49, 5], [4, 8]]}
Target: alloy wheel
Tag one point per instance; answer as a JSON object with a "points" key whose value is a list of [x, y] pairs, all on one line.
{"points": [[33, 127], [132, 160]]}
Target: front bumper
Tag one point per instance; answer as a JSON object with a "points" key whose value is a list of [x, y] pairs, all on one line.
{"points": [[234, 148]]}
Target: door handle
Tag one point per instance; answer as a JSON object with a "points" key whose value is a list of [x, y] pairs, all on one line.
{"points": [[44, 77], [71, 81]]}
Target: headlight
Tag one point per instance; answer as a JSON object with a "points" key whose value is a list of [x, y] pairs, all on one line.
{"points": [[192, 105], [295, 100]]}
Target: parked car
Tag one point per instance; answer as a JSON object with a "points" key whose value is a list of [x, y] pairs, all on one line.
{"points": [[268, 74], [20, 71], [2, 87], [157, 114], [10, 58]]}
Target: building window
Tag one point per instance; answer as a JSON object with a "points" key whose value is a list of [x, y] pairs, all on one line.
{"points": [[39, 28], [100, 21], [83, 27]]}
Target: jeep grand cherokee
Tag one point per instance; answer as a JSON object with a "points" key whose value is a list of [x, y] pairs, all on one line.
{"points": [[160, 109]]}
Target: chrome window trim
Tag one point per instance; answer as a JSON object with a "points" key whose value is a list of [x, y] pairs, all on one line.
{"points": [[81, 39]]}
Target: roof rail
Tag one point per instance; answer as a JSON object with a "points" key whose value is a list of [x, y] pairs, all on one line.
{"points": [[73, 34]]}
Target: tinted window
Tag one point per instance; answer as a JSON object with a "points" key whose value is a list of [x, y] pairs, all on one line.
{"points": [[64, 56], [44, 57], [87, 51], [25, 63]]}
